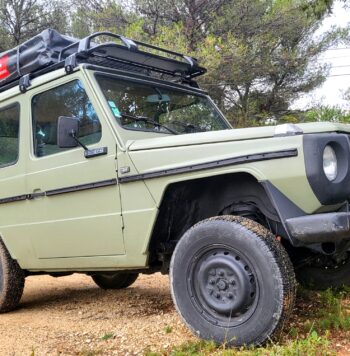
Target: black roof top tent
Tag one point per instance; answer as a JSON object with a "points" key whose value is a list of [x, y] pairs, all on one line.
{"points": [[50, 50]]}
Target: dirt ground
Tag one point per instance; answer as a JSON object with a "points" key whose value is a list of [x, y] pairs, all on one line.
{"points": [[72, 316]]}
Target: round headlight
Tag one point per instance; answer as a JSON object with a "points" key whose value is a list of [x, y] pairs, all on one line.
{"points": [[330, 164]]}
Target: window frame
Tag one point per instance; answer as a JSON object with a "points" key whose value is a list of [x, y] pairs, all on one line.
{"points": [[50, 88], [10, 106], [161, 84]]}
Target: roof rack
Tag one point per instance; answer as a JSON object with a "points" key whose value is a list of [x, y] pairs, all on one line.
{"points": [[50, 51], [130, 53]]}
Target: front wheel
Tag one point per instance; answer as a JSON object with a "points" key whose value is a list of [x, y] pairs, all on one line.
{"points": [[116, 280], [232, 282]]}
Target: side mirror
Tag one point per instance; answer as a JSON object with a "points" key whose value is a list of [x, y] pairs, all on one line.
{"points": [[67, 132]]}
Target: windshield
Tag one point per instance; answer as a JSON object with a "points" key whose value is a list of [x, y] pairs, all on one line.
{"points": [[152, 108]]}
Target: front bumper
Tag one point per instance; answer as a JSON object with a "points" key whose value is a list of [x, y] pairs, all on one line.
{"points": [[320, 228]]}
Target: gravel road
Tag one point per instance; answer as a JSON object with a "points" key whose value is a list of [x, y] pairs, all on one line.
{"points": [[72, 316]]}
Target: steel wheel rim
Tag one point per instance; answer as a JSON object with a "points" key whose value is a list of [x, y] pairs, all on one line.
{"points": [[223, 285]]}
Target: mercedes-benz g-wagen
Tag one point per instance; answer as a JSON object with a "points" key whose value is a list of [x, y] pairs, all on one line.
{"points": [[113, 162]]}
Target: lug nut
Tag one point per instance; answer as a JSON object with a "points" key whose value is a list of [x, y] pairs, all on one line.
{"points": [[212, 281], [221, 273], [233, 282], [217, 295], [229, 295]]}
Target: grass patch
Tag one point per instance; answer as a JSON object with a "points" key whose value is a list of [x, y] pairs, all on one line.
{"points": [[312, 345], [86, 352], [320, 313], [107, 336], [168, 329], [32, 353], [333, 313]]}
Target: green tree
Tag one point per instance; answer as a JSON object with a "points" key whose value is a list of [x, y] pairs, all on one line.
{"points": [[327, 113], [101, 15], [264, 60], [194, 16], [346, 95], [23, 19], [260, 55]]}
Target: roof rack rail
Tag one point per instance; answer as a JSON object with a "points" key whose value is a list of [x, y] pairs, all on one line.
{"points": [[131, 54], [50, 50]]}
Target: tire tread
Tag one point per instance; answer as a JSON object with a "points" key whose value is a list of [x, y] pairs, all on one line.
{"points": [[285, 272], [13, 281], [120, 281]]}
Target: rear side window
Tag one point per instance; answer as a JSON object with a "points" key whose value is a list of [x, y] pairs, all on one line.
{"points": [[9, 135], [66, 100]]}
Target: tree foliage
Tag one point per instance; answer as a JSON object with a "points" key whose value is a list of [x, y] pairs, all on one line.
{"points": [[327, 113], [22, 19], [266, 59], [195, 16], [260, 54]]}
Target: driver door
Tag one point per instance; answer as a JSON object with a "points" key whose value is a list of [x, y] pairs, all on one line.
{"points": [[74, 217]]}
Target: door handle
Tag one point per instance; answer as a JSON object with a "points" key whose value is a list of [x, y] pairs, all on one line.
{"points": [[37, 193]]}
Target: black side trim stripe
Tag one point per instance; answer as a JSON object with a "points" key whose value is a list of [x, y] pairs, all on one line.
{"points": [[214, 164], [72, 189], [76, 188], [13, 199], [193, 168]]}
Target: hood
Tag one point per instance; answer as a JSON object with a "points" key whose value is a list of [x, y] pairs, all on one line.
{"points": [[229, 135]]}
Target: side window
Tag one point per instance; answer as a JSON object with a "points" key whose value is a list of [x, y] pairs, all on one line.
{"points": [[9, 135], [66, 100]]}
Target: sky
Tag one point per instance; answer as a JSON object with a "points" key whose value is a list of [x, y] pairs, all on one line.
{"points": [[330, 93]]}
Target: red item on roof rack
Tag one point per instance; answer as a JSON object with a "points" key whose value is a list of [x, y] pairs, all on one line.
{"points": [[37, 53], [4, 71]]}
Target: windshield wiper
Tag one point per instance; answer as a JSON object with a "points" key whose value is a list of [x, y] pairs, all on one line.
{"points": [[193, 127], [149, 121]]}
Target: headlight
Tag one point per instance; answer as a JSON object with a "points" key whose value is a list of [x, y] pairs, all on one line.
{"points": [[330, 164]]}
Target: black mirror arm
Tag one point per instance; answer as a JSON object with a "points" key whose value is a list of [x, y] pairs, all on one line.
{"points": [[73, 134]]}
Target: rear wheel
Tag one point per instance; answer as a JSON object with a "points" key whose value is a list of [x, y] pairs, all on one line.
{"points": [[11, 281], [116, 280], [232, 281]]}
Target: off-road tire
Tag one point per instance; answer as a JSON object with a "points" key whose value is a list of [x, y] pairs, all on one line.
{"points": [[11, 281], [117, 280], [218, 255], [319, 278]]}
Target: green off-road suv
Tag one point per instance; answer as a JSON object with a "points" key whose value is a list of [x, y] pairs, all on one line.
{"points": [[114, 163]]}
